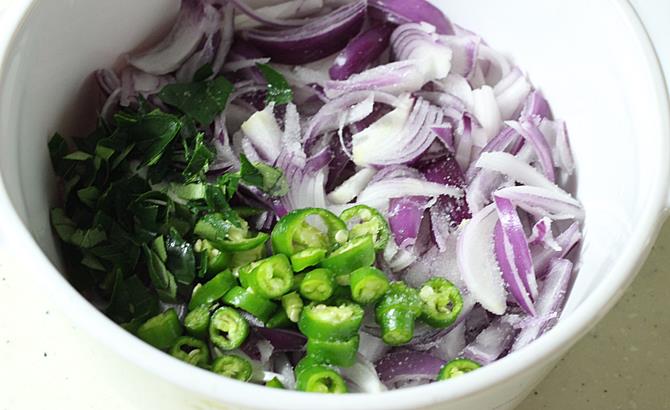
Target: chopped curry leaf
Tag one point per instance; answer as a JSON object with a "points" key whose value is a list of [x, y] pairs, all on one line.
{"points": [[279, 91], [202, 100]]}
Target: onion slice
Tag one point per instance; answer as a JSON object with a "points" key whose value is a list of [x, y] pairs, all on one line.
{"points": [[415, 11], [476, 261]]}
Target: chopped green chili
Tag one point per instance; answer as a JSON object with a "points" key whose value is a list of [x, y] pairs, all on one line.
{"points": [[274, 383], [338, 352], [271, 277], [279, 319], [228, 329], [363, 220], [161, 331], [196, 322], [368, 284], [457, 367], [213, 290], [318, 285], [226, 235], [249, 301], [331, 322], [306, 258], [216, 260], [318, 378], [396, 313], [292, 305], [191, 350], [441, 302], [357, 253], [293, 233], [233, 366]]}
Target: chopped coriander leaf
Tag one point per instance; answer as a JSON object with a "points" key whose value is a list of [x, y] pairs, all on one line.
{"points": [[279, 91], [269, 179], [202, 101]]}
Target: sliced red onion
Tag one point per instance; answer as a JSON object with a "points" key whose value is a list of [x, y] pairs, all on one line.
{"points": [[494, 65], [372, 348], [479, 191], [458, 87], [404, 217], [107, 80], [487, 113], [566, 241], [136, 83], [318, 38], [361, 52], [353, 186], [464, 53], [194, 20], [511, 93], [477, 264], [419, 42], [543, 202], [446, 134], [514, 244], [278, 15], [498, 143], [111, 105], [264, 133], [464, 142], [563, 150], [378, 194], [549, 302], [330, 116], [534, 136], [398, 137], [362, 376], [283, 340], [283, 366], [516, 170], [510, 273], [450, 345], [536, 106], [491, 343], [396, 77], [415, 11], [406, 365], [436, 262], [448, 212], [541, 234]]}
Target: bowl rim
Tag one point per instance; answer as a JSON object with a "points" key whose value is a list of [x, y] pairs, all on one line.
{"points": [[548, 347]]}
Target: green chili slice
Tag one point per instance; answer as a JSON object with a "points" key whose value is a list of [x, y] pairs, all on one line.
{"points": [[225, 235], [331, 322], [363, 220], [212, 290], [306, 258], [161, 331], [293, 305], [396, 313], [279, 319], [196, 322], [191, 350], [233, 366], [216, 260], [293, 233], [457, 367], [441, 302], [320, 379], [249, 301], [228, 329], [318, 285], [274, 383], [338, 352], [357, 253], [368, 284], [271, 277]]}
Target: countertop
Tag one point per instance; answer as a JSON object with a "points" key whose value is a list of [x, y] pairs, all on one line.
{"points": [[624, 363]]}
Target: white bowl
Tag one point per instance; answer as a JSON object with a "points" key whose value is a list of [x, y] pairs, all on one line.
{"points": [[592, 59]]}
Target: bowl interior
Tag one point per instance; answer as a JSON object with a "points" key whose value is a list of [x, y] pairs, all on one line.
{"points": [[583, 55]]}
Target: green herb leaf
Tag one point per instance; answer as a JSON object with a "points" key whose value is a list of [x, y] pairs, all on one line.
{"points": [[198, 160], [63, 225], [269, 179], [202, 101], [279, 91], [131, 300], [88, 238], [180, 258], [57, 150], [153, 133]]}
